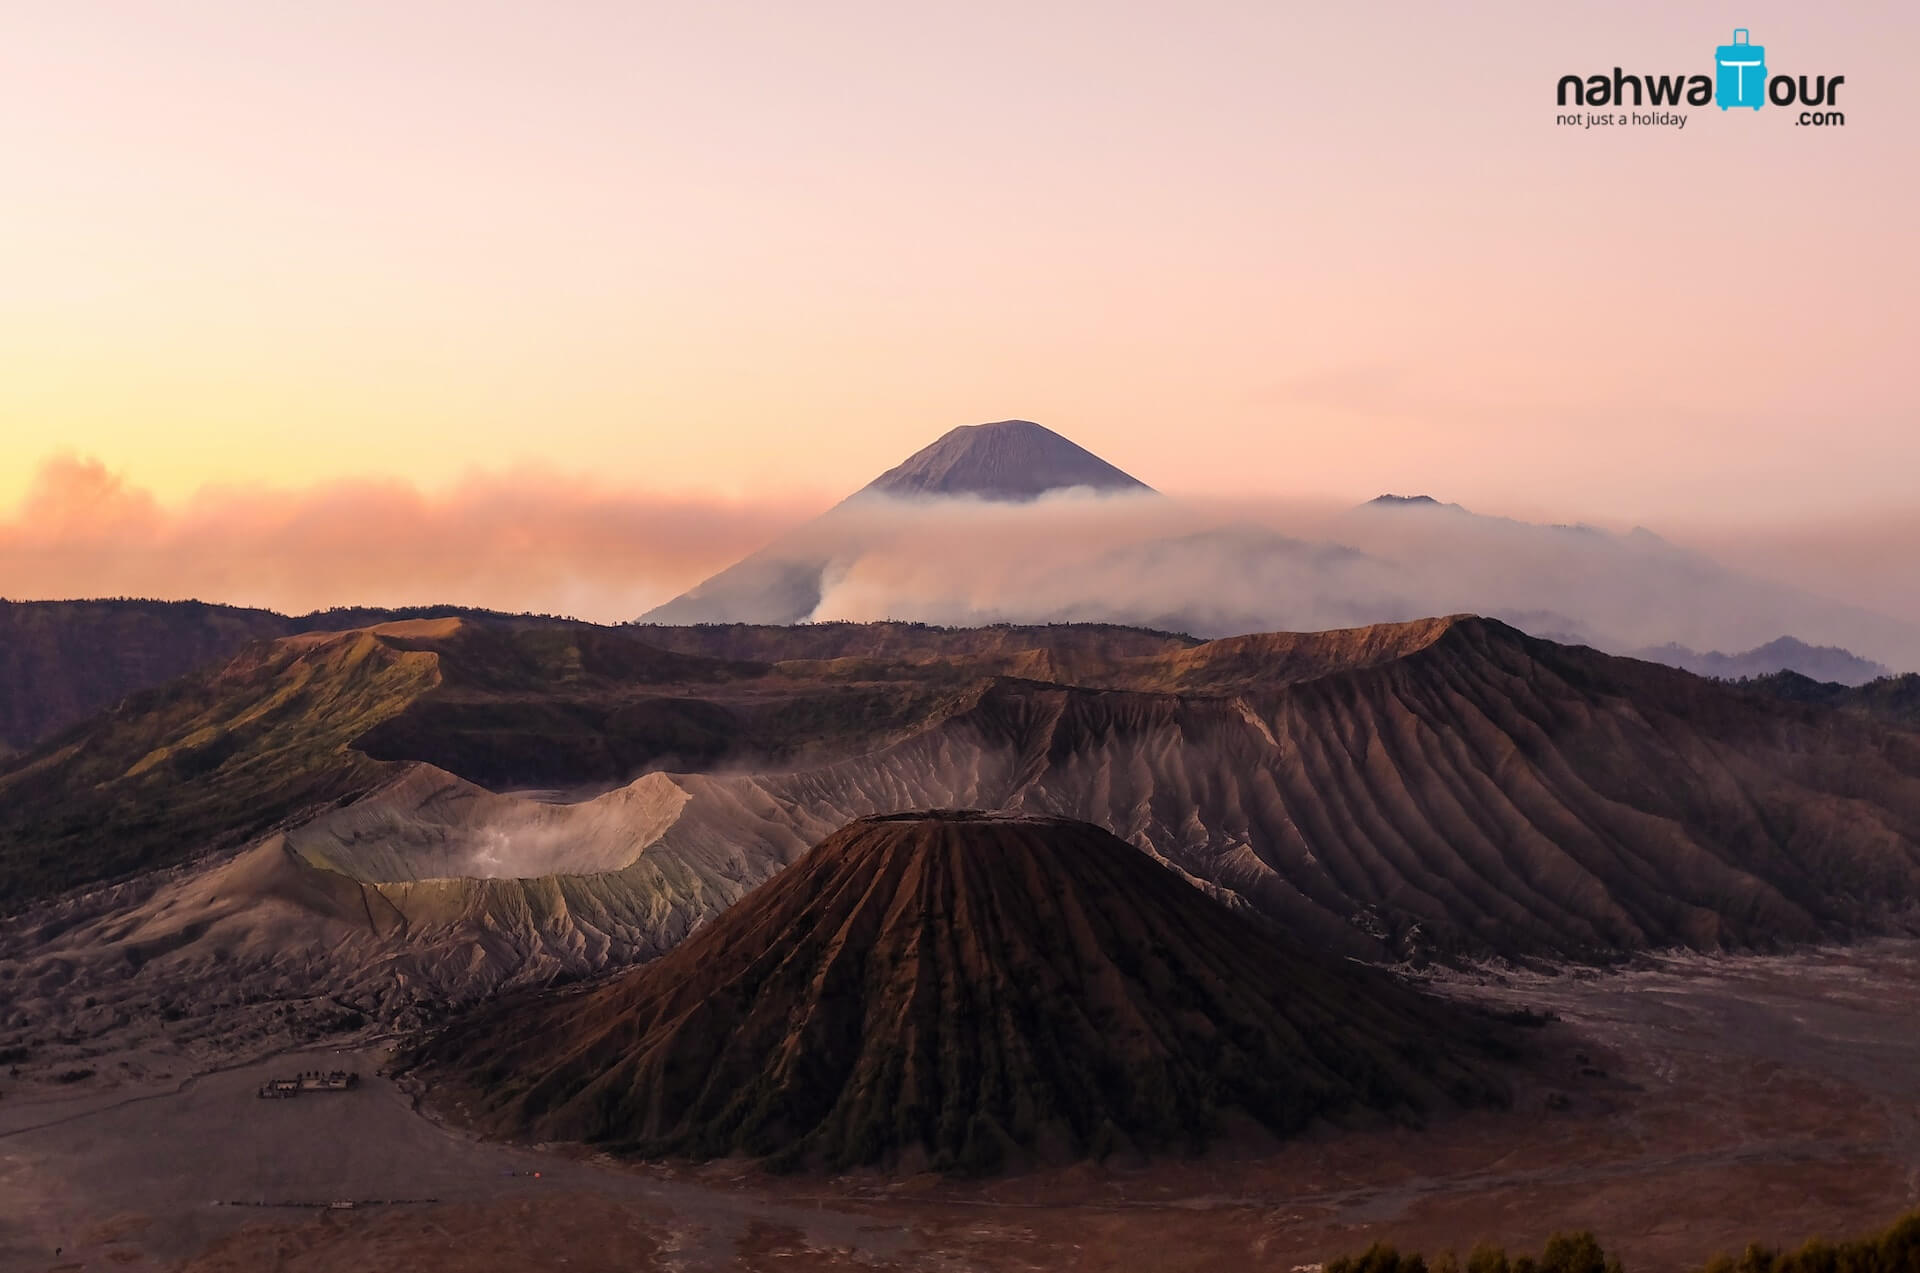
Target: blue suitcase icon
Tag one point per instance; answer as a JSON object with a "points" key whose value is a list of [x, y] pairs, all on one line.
{"points": [[1740, 72]]}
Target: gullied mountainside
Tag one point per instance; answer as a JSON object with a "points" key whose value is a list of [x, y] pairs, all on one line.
{"points": [[1445, 787], [1448, 787], [1009, 460], [963, 991]]}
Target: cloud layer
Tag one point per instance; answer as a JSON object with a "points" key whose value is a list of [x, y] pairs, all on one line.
{"points": [[543, 542], [526, 541], [1216, 567]]}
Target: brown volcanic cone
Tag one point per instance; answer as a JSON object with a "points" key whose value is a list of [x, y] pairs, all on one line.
{"points": [[960, 989]]}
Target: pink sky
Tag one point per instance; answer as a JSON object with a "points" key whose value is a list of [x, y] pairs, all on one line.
{"points": [[762, 251], [528, 540]]}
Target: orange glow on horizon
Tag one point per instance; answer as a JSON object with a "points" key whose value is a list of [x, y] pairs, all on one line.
{"points": [[750, 249]]}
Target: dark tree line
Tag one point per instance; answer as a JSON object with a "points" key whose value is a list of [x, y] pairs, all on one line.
{"points": [[1564, 1253], [1895, 1249]]}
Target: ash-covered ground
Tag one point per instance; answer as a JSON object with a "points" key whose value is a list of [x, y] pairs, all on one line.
{"points": [[1679, 1107]]}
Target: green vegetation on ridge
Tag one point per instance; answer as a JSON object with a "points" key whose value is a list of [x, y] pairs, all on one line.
{"points": [[62, 661], [201, 763]]}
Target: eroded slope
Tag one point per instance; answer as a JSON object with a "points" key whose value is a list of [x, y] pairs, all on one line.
{"points": [[961, 990], [1448, 788]]}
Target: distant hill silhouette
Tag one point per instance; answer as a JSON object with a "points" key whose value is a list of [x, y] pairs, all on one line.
{"points": [[1784, 654], [1407, 501]]}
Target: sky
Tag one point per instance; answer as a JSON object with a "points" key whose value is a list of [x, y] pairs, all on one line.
{"points": [[740, 258]]}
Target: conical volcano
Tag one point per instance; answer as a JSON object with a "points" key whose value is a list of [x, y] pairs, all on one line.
{"points": [[963, 991], [1008, 460]]}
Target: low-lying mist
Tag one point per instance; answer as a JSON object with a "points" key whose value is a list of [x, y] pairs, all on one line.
{"points": [[1218, 567], [550, 544], [524, 541]]}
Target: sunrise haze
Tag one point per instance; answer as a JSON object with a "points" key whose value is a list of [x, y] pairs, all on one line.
{"points": [[1129, 637], [751, 255]]}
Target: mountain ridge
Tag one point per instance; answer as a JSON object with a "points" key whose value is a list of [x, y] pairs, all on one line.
{"points": [[61, 661], [1440, 789]]}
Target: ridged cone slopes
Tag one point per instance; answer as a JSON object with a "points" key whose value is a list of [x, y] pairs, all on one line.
{"points": [[964, 991]]}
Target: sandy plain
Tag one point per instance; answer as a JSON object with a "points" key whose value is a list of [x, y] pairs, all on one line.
{"points": [[1679, 1107]]}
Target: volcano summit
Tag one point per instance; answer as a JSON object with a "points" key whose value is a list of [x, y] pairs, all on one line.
{"points": [[1008, 461]]}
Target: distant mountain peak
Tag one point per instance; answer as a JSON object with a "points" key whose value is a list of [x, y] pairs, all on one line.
{"points": [[1407, 501], [1009, 460]]}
